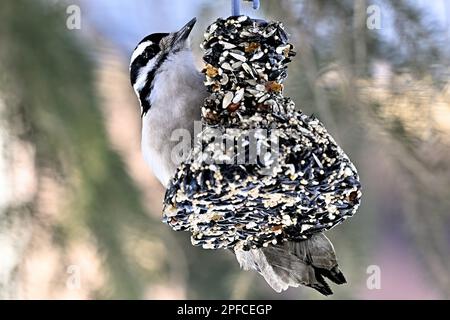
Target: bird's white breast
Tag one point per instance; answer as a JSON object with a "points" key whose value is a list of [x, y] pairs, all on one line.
{"points": [[176, 100]]}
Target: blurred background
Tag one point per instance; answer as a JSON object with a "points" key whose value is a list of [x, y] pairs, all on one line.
{"points": [[80, 211]]}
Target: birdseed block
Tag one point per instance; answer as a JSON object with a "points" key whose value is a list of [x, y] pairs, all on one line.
{"points": [[272, 173]]}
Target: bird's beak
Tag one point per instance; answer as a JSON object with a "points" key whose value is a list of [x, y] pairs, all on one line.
{"points": [[183, 34]]}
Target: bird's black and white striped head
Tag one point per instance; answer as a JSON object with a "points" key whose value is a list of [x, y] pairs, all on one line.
{"points": [[149, 58]]}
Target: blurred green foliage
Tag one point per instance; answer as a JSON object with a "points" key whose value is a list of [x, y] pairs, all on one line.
{"points": [[52, 104]]}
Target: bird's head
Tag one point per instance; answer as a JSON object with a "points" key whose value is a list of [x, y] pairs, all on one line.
{"points": [[149, 58]]}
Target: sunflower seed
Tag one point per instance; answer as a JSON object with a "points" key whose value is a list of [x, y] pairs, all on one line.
{"points": [[238, 57], [227, 99], [258, 55], [242, 18], [227, 45], [224, 79], [239, 95], [248, 69], [236, 65], [227, 66]]}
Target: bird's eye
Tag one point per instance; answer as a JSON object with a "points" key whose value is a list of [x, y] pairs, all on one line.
{"points": [[149, 53]]}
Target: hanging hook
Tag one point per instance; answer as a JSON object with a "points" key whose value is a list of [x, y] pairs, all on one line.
{"points": [[236, 6]]}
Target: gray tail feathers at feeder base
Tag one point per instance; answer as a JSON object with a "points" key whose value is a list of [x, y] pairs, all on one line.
{"points": [[295, 263]]}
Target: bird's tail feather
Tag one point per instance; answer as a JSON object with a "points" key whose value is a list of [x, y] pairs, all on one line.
{"points": [[295, 263]]}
